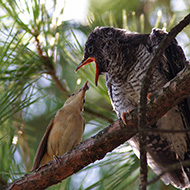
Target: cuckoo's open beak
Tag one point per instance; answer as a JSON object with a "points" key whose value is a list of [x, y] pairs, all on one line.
{"points": [[87, 61]]}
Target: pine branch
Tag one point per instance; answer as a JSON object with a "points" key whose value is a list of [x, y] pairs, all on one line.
{"points": [[143, 96], [49, 65], [105, 141]]}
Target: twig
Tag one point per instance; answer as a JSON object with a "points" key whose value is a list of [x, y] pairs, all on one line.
{"points": [[157, 131], [143, 96], [169, 168], [49, 65], [105, 141], [58, 83]]}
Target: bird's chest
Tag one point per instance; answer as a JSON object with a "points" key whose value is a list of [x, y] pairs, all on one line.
{"points": [[66, 132], [124, 87]]}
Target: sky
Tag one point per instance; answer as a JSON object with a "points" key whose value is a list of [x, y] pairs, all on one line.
{"points": [[75, 10]]}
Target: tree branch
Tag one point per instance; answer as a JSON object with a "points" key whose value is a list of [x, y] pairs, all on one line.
{"points": [[105, 141], [58, 83], [143, 96], [48, 64]]}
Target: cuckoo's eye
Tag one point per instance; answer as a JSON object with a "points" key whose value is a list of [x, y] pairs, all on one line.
{"points": [[90, 49]]}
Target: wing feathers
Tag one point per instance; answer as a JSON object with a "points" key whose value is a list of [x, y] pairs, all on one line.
{"points": [[42, 147]]}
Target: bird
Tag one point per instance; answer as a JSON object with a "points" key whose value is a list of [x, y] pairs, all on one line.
{"points": [[64, 131], [124, 57]]}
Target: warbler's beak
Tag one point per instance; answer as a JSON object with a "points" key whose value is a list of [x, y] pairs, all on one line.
{"points": [[86, 86], [87, 61]]}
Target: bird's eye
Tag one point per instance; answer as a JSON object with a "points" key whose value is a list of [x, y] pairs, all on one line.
{"points": [[90, 50]]}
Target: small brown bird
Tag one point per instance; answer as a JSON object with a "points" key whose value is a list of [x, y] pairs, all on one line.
{"points": [[64, 131]]}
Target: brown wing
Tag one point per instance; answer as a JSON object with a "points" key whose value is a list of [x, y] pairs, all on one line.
{"points": [[42, 147]]}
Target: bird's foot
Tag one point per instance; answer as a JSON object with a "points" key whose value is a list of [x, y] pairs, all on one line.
{"points": [[57, 158], [123, 116], [148, 96]]}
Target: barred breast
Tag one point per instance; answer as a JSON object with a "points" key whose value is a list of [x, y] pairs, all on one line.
{"points": [[124, 89]]}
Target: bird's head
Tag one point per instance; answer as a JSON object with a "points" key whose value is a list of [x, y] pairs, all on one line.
{"points": [[99, 48], [78, 99]]}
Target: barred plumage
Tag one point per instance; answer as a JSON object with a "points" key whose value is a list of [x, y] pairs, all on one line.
{"points": [[124, 57]]}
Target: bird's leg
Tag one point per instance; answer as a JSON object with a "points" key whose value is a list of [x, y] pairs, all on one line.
{"points": [[149, 95], [128, 111], [57, 158], [123, 116]]}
